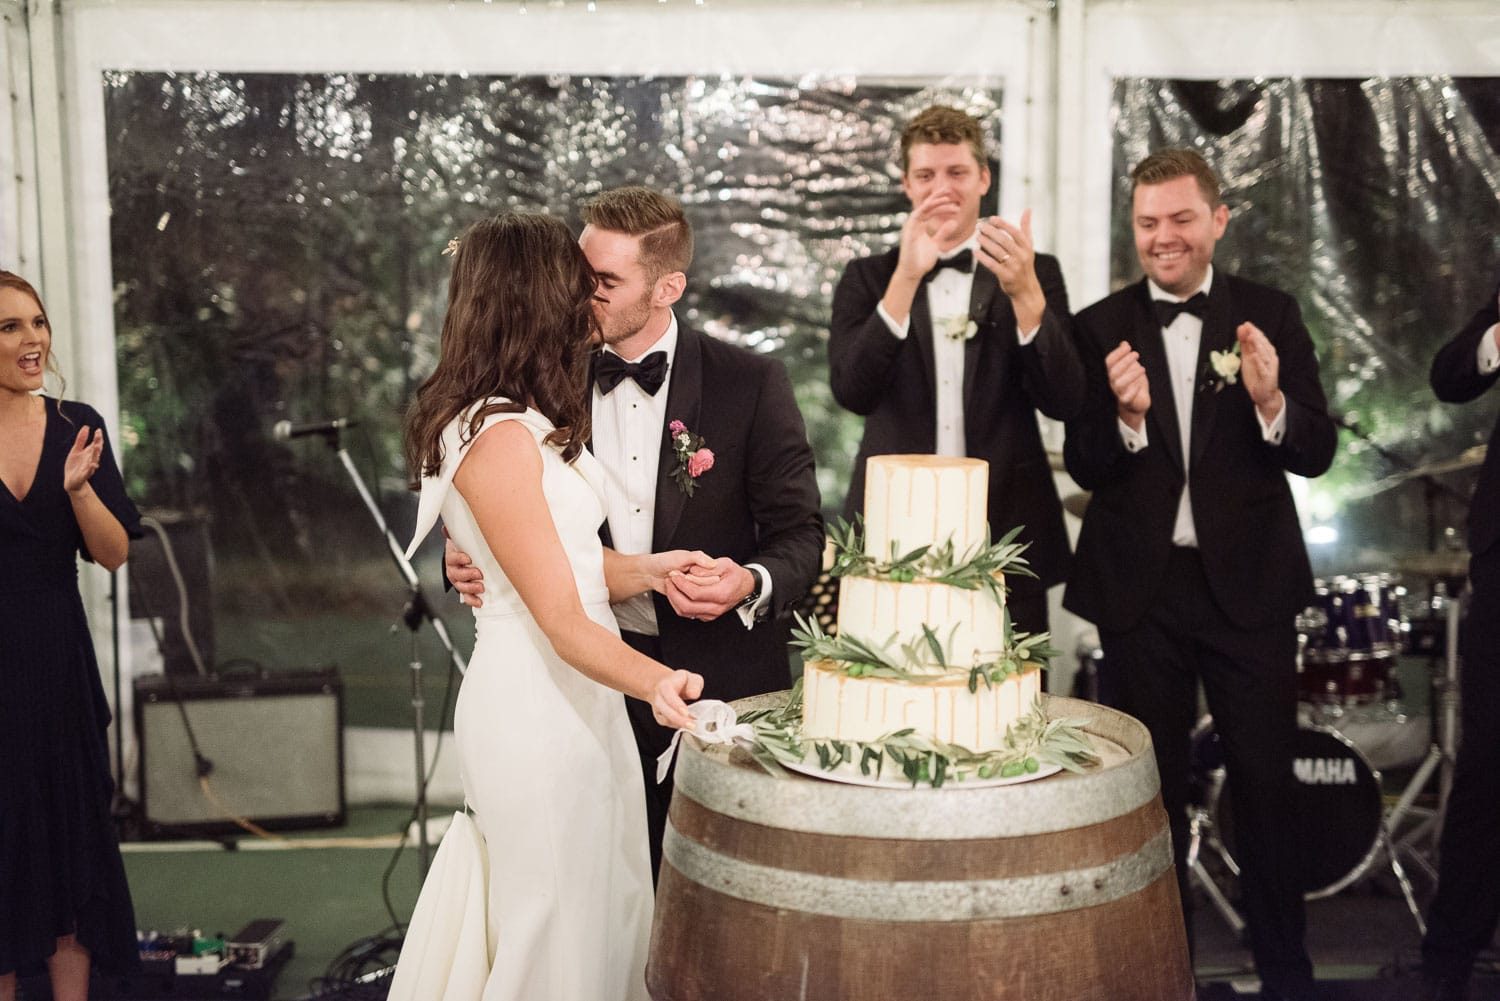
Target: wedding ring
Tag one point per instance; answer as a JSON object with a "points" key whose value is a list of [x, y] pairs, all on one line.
{"points": [[1005, 258]]}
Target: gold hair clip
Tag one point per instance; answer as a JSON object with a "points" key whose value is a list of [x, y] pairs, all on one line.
{"points": [[452, 247]]}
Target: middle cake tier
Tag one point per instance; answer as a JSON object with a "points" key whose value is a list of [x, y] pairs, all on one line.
{"points": [[969, 623]]}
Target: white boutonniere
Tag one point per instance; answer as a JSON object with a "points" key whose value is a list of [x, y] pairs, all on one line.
{"points": [[958, 328], [1226, 366]]}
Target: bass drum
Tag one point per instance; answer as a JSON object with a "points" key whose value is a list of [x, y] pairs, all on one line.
{"points": [[1338, 807]]}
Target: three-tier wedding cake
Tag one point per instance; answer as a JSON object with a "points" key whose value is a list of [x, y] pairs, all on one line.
{"points": [[922, 639]]}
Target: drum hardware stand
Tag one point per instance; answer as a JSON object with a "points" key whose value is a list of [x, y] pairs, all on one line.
{"points": [[1201, 828], [1440, 758], [1202, 832]]}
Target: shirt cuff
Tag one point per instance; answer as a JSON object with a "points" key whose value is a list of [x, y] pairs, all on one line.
{"points": [[751, 614], [1134, 440], [1027, 336], [1489, 352], [898, 330], [1273, 432]]}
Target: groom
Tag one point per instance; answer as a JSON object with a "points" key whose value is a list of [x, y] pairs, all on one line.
{"points": [[703, 447]]}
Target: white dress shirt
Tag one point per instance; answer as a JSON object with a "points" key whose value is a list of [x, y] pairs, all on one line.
{"points": [[1181, 341], [628, 427], [948, 296]]}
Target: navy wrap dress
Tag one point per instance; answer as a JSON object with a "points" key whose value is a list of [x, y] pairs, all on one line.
{"points": [[60, 866]]}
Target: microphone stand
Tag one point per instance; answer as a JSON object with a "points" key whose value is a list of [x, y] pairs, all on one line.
{"points": [[416, 611]]}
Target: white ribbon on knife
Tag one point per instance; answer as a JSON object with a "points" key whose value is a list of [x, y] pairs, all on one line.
{"points": [[716, 723]]}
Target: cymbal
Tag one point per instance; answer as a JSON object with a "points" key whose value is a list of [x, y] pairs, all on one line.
{"points": [[1466, 459], [1440, 564], [1076, 504]]}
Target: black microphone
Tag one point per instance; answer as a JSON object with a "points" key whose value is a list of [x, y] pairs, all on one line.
{"points": [[286, 430]]}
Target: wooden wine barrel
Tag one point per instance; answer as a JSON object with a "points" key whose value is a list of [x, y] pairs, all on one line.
{"points": [[1059, 889]]}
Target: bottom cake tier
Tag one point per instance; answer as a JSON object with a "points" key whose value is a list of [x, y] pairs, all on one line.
{"points": [[838, 707]]}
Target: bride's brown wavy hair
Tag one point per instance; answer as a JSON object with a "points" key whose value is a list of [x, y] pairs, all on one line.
{"points": [[519, 325]]}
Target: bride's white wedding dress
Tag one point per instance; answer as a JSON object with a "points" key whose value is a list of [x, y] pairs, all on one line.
{"points": [[557, 877]]}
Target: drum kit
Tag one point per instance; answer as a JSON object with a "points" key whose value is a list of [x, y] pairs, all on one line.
{"points": [[1354, 721]]}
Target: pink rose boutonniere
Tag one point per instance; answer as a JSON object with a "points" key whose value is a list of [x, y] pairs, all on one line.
{"points": [[693, 458]]}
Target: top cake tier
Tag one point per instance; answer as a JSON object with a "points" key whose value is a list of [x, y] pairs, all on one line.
{"points": [[918, 500]]}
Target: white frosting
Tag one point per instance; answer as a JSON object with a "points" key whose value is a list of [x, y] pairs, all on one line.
{"points": [[970, 625], [837, 706], [911, 501], [916, 500]]}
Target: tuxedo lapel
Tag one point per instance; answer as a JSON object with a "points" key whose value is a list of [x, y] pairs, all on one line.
{"points": [[980, 297], [605, 536], [684, 403], [921, 330], [1218, 335], [1153, 351]]}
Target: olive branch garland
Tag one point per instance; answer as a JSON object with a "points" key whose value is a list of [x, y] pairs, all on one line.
{"points": [[861, 659], [858, 658], [933, 563], [1032, 742]]}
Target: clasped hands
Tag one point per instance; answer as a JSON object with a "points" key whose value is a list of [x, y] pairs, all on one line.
{"points": [[698, 586], [1260, 369]]}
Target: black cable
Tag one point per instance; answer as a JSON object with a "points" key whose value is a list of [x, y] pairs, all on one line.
{"points": [[202, 766], [360, 972]]}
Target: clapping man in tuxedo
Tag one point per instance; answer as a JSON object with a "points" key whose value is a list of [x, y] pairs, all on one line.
{"points": [[951, 342], [1203, 394], [704, 448], [1464, 912]]}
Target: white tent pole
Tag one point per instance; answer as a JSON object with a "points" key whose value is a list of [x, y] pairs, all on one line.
{"points": [[54, 279], [1072, 208]]}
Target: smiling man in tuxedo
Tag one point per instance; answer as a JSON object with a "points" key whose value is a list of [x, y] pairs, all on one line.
{"points": [[753, 505], [1203, 395], [951, 342]]}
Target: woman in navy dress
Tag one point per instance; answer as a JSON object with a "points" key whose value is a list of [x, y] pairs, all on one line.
{"points": [[64, 904]]}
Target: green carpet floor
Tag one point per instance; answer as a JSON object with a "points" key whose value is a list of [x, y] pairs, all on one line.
{"points": [[328, 897]]}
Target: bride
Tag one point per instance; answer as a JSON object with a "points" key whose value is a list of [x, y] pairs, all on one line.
{"points": [[547, 894]]}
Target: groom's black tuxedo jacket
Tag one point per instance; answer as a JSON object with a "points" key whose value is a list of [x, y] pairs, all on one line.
{"points": [[1248, 534], [758, 504], [1456, 379], [891, 382]]}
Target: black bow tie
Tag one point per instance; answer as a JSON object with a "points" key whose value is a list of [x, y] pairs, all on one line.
{"points": [[961, 261], [1167, 310], [649, 373]]}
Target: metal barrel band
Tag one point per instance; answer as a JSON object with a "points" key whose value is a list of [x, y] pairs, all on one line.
{"points": [[946, 900]]}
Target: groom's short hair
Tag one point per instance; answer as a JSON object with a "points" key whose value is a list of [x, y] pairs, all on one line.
{"points": [[656, 219]]}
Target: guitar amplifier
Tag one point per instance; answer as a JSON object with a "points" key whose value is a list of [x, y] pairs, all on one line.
{"points": [[271, 744]]}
